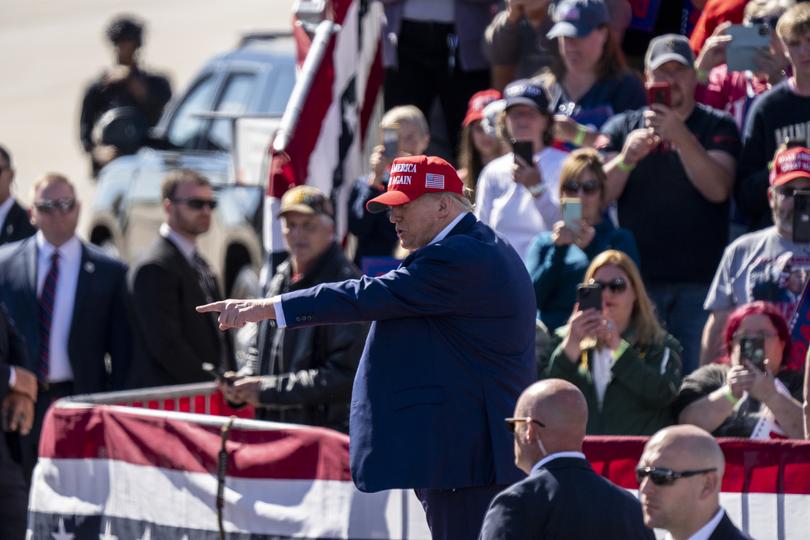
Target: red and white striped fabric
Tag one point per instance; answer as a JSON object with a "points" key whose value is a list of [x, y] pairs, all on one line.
{"points": [[324, 148]]}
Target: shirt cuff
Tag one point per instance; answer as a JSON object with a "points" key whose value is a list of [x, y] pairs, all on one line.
{"points": [[12, 377], [281, 322]]}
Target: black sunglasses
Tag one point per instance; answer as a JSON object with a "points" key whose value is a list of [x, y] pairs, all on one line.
{"points": [[588, 187], [197, 204], [770, 21], [616, 285], [666, 477], [63, 205], [510, 422], [790, 191]]}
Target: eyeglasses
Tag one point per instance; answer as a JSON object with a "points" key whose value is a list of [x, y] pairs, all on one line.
{"points": [[63, 205], [790, 191], [510, 422], [666, 477], [197, 204], [587, 187], [770, 21], [616, 285]]}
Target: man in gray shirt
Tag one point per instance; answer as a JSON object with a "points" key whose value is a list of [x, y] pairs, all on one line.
{"points": [[766, 264]]}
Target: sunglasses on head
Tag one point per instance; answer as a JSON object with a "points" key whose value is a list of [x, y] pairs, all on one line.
{"points": [[63, 205], [615, 285], [666, 477], [510, 422], [587, 186], [197, 204]]}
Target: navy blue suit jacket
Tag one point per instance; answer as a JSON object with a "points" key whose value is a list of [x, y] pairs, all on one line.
{"points": [[565, 500], [100, 323], [451, 349]]}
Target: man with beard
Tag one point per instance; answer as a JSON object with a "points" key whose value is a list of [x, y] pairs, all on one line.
{"points": [[752, 264], [173, 341]]}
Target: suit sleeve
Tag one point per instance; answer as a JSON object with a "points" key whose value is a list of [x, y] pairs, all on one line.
{"points": [[433, 284], [512, 517], [119, 343], [159, 320]]}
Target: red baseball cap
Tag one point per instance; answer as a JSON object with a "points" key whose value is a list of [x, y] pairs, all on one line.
{"points": [[479, 100], [789, 165], [414, 176]]}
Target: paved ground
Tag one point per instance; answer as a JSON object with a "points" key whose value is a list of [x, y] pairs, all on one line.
{"points": [[52, 48]]}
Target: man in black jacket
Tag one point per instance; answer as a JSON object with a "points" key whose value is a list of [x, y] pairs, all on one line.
{"points": [[563, 498], [173, 341], [304, 375], [679, 474], [14, 221]]}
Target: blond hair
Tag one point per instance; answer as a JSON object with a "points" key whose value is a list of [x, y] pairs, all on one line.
{"points": [[794, 22], [405, 114], [763, 8], [647, 329], [579, 161]]}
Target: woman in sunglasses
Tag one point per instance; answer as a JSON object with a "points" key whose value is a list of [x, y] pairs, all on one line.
{"points": [[557, 260], [753, 393], [626, 365]]}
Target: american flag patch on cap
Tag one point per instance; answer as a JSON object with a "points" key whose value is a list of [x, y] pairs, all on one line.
{"points": [[434, 181]]}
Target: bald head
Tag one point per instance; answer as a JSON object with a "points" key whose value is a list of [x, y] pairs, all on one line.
{"points": [[561, 407], [687, 447]]}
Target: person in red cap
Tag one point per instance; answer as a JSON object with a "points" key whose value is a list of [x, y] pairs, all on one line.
{"points": [[769, 264], [450, 349], [476, 146]]}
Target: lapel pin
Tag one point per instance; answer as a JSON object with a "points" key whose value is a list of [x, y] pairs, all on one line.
{"points": [[89, 267]]}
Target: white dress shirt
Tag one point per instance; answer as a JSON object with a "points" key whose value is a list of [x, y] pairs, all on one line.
{"points": [[706, 531], [70, 259], [281, 322], [4, 209], [186, 247]]}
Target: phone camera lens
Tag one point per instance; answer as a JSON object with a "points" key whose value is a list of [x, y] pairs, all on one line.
{"points": [[763, 31]]}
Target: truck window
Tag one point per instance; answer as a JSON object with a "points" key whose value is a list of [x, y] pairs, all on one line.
{"points": [[282, 81], [236, 98], [185, 127]]}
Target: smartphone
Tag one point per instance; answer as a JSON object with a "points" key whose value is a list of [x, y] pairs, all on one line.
{"points": [[589, 296], [801, 217], [390, 143], [524, 149], [746, 43], [571, 212], [659, 92], [753, 349]]}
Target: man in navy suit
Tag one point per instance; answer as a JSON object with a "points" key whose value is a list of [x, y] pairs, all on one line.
{"points": [[563, 498], [68, 300], [450, 350], [680, 473], [14, 223]]}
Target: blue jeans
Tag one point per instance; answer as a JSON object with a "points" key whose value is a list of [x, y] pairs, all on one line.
{"points": [[680, 309]]}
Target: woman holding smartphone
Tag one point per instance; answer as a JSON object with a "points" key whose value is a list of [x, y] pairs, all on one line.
{"points": [[752, 394], [557, 260], [626, 365]]}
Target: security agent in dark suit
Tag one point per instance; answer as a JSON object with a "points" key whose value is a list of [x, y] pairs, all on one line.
{"points": [[680, 473], [450, 349], [562, 498], [14, 222], [172, 341], [18, 391], [68, 300]]}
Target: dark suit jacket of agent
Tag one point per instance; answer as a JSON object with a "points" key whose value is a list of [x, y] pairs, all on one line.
{"points": [[100, 323], [564, 500], [172, 339], [451, 348], [17, 225], [727, 531]]}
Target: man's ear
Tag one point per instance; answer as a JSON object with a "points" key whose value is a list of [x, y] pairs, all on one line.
{"points": [[711, 484]]}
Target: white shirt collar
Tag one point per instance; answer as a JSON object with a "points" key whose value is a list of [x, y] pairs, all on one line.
{"points": [[557, 455], [705, 532], [186, 248], [444, 232], [69, 251], [5, 208]]}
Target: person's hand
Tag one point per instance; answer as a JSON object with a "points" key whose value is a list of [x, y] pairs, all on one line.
{"points": [[18, 413], [25, 382], [565, 128], [379, 163], [713, 52], [117, 74], [104, 153], [581, 325], [515, 9], [524, 173], [665, 123], [585, 235], [562, 235], [243, 390], [638, 144], [739, 380], [608, 334], [770, 66], [237, 313], [762, 387]]}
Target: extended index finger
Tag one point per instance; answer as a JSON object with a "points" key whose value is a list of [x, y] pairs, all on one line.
{"points": [[213, 306]]}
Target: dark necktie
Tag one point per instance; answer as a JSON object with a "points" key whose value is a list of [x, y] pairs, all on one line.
{"points": [[46, 302], [208, 283]]}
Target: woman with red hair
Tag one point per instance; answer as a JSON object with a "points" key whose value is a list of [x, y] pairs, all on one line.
{"points": [[754, 393]]}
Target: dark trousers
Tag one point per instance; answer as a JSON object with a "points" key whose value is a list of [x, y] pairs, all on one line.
{"points": [[456, 514], [29, 445], [429, 67], [13, 498]]}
